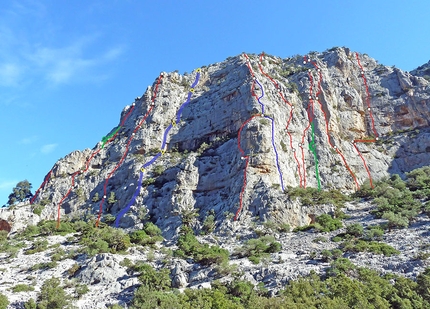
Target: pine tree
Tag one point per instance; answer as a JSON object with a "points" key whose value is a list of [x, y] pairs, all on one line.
{"points": [[21, 192]]}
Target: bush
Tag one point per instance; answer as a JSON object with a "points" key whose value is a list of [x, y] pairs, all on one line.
{"points": [[37, 209], [370, 246], [152, 279], [4, 302], [204, 254], [340, 266], [46, 265], [395, 220], [158, 170], [38, 246], [22, 288], [148, 236], [326, 223], [355, 230], [52, 296], [374, 233], [30, 304], [258, 248], [81, 289], [209, 224], [104, 239], [72, 270], [364, 289], [396, 200]]}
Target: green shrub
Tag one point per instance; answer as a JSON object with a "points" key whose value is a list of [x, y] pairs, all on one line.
{"points": [[370, 246], [22, 288], [345, 287], [204, 254], [72, 270], [355, 230], [374, 233], [46, 265], [81, 289], [340, 266], [37, 209], [111, 199], [158, 170], [395, 220], [209, 224], [153, 279], [104, 239], [423, 281], [258, 248], [284, 228], [397, 200], [312, 196], [151, 229], [148, 236], [326, 223], [96, 197], [52, 296], [337, 238], [30, 304], [38, 246], [4, 302], [58, 255]]}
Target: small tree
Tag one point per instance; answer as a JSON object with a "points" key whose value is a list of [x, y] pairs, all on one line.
{"points": [[112, 199], [21, 192], [96, 197]]}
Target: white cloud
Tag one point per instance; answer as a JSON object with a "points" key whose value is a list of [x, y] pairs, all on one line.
{"points": [[31, 55], [48, 148], [9, 74], [28, 140], [7, 184]]}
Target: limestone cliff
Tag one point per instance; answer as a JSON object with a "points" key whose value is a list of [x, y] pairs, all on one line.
{"points": [[228, 139]]}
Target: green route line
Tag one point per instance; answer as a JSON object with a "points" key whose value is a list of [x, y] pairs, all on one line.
{"points": [[106, 138], [313, 150]]}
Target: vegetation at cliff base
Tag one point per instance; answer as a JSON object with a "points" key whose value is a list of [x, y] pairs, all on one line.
{"points": [[400, 201], [343, 286]]}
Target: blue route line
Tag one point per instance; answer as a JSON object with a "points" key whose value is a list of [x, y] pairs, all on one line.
{"points": [[178, 119], [273, 134]]}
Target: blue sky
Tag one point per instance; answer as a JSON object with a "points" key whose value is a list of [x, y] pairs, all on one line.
{"points": [[67, 68]]}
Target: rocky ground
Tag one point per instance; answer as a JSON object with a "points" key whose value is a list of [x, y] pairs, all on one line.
{"points": [[109, 282]]}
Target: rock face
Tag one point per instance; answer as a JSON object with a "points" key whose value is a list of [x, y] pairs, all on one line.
{"points": [[228, 139]]}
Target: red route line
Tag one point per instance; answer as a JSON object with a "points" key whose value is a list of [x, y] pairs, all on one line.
{"points": [[87, 165], [326, 120], [245, 157], [45, 180], [246, 164], [372, 120], [289, 119], [367, 95], [126, 150]]}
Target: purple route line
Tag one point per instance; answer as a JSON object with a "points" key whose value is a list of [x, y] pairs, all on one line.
{"points": [[124, 210], [273, 134], [165, 136], [276, 152], [139, 185]]}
